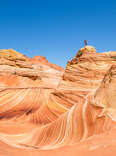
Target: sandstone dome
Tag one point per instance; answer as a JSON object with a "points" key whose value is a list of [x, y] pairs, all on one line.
{"points": [[87, 49]]}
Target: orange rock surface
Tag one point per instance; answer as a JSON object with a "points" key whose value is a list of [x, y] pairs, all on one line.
{"points": [[45, 110]]}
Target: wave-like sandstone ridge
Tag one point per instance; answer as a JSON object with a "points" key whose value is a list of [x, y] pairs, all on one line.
{"points": [[48, 111]]}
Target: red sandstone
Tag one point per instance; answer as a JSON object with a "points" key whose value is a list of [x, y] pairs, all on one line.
{"points": [[45, 110]]}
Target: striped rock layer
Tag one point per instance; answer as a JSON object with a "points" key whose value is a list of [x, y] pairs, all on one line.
{"points": [[45, 110]]}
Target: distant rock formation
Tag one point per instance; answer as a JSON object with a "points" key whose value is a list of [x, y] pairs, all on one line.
{"points": [[46, 110]]}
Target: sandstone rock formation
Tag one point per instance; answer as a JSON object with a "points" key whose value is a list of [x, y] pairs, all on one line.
{"points": [[45, 110]]}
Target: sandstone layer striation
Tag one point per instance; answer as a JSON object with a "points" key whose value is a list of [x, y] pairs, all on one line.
{"points": [[46, 110]]}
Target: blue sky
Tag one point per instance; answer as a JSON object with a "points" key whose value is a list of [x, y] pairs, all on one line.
{"points": [[53, 28]]}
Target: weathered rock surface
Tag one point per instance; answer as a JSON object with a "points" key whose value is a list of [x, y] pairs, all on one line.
{"points": [[45, 110]]}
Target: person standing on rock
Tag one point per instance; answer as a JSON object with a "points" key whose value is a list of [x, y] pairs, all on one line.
{"points": [[85, 41]]}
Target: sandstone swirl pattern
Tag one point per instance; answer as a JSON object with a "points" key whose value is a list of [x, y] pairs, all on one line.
{"points": [[43, 107]]}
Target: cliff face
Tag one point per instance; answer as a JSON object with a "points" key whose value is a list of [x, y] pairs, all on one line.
{"points": [[43, 107]]}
